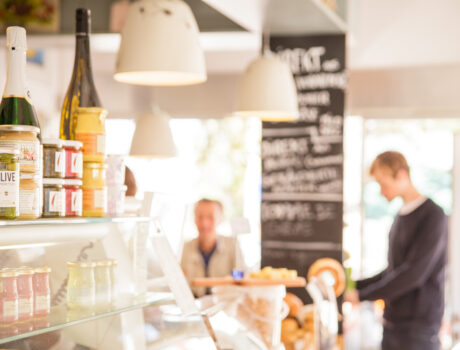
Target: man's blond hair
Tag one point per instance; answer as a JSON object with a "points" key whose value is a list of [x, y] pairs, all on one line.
{"points": [[217, 203], [390, 161]]}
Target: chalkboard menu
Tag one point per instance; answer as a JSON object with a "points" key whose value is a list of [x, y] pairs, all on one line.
{"points": [[302, 161]]}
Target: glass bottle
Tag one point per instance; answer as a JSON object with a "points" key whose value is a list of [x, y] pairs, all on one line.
{"points": [[81, 91], [16, 107]]}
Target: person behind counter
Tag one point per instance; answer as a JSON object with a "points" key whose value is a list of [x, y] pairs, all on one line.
{"points": [[412, 285], [209, 255]]}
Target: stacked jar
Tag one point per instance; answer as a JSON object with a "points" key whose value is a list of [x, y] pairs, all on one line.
{"points": [[73, 177], [116, 185], [54, 165], [21, 152], [25, 294], [90, 285], [90, 130]]}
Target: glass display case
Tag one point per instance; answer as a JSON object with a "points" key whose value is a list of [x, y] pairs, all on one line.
{"points": [[123, 307]]}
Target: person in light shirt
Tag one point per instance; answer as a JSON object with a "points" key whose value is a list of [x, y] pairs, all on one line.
{"points": [[412, 285], [210, 254]]}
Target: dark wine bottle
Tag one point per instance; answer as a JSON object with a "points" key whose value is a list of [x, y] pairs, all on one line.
{"points": [[16, 107], [81, 91]]}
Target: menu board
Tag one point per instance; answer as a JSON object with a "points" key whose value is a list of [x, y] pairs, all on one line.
{"points": [[302, 161]]}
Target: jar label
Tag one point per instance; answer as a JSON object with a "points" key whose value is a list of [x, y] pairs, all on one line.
{"points": [[59, 162], [10, 309], [101, 144], [76, 166], [93, 144], [100, 199], [56, 202], [76, 202], [26, 306], [42, 303], [28, 202], [9, 189], [95, 199], [29, 153]]}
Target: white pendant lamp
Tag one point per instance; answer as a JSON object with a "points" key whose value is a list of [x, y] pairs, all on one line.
{"points": [[268, 91], [160, 45], [153, 137]]}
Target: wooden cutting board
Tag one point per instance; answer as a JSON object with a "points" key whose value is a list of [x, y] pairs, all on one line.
{"points": [[226, 281]]}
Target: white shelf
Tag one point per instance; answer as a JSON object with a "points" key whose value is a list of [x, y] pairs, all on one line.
{"points": [[71, 221]]}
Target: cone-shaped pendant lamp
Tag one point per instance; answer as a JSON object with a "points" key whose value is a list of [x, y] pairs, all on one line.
{"points": [[268, 91], [160, 45]]}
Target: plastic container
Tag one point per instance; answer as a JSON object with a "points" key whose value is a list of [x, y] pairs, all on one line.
{"points": [[115, 170], [73, 159], [81, 285], [25, 139], [25, 293], [102, 276], [53, 158], [94, 190], [90, 130], [9, 182], [8, 296], [30, 196], [116, 200], [73, 197], [53, 198], [42, 291], [261, 309]]}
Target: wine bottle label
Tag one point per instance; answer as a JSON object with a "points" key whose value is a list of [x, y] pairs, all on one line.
{"points": [[59, 166], [29, 153], [76, 202], [9, 189]]}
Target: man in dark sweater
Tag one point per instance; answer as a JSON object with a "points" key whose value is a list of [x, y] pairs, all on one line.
{"points": [[412, 285]]}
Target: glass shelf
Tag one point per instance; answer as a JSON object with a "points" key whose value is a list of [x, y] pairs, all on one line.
{"points": [[68, 221], [61, 317]]}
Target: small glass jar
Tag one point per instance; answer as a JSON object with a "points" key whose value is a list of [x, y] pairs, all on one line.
{"points": [[90, 130], [53, 198], [94, 190], [54, 165], [8, 296], [25, 293], [42, 291], [74, 159], [25, 139], [81, 285], [113, 278], [73, 197], [9, 182], [103, 284], [30, 196]]}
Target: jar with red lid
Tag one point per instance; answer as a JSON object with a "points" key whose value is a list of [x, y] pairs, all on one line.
{"points": [[74, 159], [8, 296], [42, 291], [25, 293], [73, 197]]}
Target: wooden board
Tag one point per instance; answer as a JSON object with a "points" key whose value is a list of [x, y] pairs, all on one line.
{"points": [[222, 281]]}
